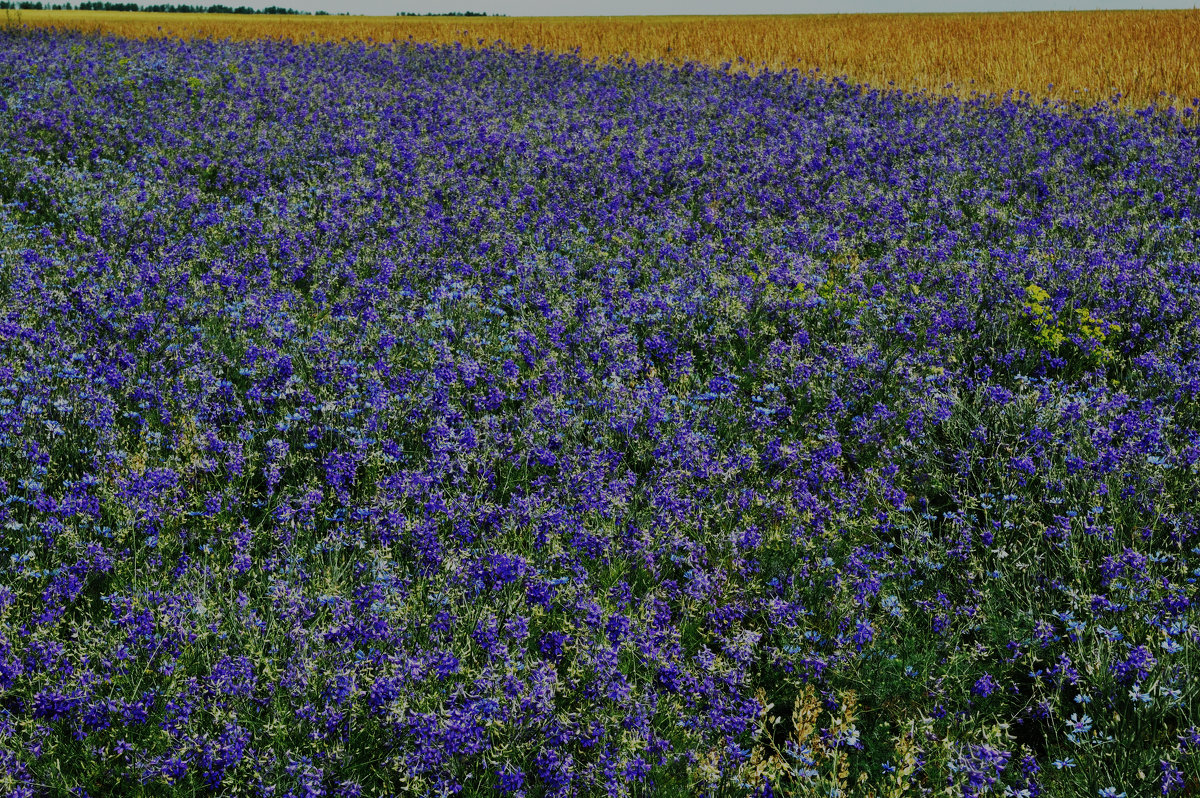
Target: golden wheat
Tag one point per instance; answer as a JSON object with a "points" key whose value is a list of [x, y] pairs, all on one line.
{"points": [[1085, 56]]}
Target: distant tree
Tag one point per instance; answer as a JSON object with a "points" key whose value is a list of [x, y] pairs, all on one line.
{"points": [[444, 14], [158, 8]]}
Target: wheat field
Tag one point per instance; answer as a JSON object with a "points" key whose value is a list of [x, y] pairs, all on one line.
{"points": [[1084, 56]]}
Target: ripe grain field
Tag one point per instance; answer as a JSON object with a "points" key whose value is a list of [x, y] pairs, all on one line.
{"points": [[1146, 56]]}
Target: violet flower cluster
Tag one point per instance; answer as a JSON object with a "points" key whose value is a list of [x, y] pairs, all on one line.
{"points": [[417, 420]]}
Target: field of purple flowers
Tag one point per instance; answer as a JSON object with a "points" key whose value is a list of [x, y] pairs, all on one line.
{"points": [[423, 421]]}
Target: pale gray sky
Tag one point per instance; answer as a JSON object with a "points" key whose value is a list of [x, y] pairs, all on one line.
{"points": [[624, 7]]}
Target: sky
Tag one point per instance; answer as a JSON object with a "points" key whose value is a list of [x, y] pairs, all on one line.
{"points": [[623, 7]]}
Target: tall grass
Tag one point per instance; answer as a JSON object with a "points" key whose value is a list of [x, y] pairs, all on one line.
{"points": [[1146, 56]]}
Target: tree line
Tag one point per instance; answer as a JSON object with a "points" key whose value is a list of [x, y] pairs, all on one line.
{"points": [[184, 8]]}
